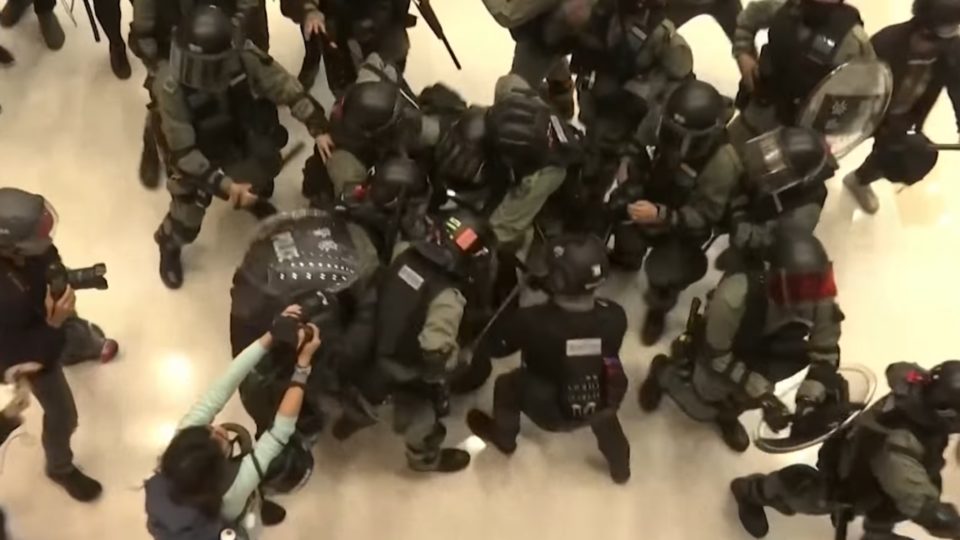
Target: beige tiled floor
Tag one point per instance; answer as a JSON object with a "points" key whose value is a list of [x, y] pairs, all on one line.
{"points": [[71, 131]]}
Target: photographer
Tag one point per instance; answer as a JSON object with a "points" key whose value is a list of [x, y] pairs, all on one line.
{"points": [[37, 325], [201, 487]]}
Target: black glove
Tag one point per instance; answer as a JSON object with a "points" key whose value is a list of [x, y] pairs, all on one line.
{"points": [[775, 413], [940, 519]]}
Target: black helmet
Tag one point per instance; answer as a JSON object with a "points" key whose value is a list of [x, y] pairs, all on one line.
{"points": [[371, 107], [461, 153], [799, 269], [290, 470], [693, 118], [785, 162], [396, 177], [576, 264], [204, 53], [941, 17], [27, 222]]}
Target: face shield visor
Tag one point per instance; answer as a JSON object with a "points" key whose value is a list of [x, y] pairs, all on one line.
{"points": [[771, 175], [204, 71]]}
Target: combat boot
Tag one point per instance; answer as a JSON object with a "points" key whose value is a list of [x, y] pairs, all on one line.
{"points": [[482, 425], [119, 63], [875, 530], [653, 325], [753, 517], [863, 193], [13, 11], [651, 393], [733, 433], [171, 268], [51, 31]]}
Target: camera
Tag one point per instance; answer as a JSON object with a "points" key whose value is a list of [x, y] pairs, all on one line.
{"points": [[59, 278]]}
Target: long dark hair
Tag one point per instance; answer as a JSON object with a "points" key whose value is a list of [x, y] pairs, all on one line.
{"points": [[194, 465]]}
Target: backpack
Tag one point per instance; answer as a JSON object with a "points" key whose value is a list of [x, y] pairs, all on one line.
{"points": [[513, 13]]}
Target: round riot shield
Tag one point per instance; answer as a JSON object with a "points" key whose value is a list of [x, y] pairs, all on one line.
{"points": [[294, 255], [862, 385], [849, 104]]}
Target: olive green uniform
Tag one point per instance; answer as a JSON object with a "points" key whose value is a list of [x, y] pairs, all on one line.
{"points": [[345, 168], [721, 375], [757, 118], [899, 480], [189, 184]]}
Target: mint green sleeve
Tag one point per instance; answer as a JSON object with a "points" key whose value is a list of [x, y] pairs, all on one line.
{"points": [[268, 447], [220, 392]]}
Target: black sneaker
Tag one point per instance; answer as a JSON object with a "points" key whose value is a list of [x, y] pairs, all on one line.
{"points": [[752, 515], [6, 58], [734, 434], [171, 268], [80, 486], [272, 513], [51, 31], [481, 425], [13, 11], [653, 325], [119, 62], [448, 460]]}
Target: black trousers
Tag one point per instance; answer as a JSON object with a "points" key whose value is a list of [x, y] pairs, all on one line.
{"points": [[108, 14], [723, 11], [873, 167], [517, 392], [52, 392]]}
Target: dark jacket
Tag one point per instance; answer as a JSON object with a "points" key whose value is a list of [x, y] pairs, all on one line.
{"points": [[892, 45], [24, 333], [168, 520]]}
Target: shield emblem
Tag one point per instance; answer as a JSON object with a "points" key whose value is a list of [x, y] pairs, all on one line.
{"points": [[849, 104], [862, 386]]}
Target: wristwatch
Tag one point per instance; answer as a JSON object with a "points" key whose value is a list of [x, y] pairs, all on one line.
{"points": [[301, 374]]}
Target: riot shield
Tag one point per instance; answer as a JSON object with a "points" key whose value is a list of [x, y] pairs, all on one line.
{"points": [[293, 254], [862, 385], [849, 104]]}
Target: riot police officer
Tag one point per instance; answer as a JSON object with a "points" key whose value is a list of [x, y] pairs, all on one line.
{"points": [[782, 186], [682, 198], [219, 120], [571, 376], [378, 117], [353, 30], [924, 55], [421, 304], [725, 12], [808, 39], [760, 327], [623, 80], [886, 465]]}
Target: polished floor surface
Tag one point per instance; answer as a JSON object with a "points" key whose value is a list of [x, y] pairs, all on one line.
{"points": [[72, 132]]}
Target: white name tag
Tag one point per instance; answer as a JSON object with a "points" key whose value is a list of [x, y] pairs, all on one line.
{"points": [[411, 277], [584, 347]]}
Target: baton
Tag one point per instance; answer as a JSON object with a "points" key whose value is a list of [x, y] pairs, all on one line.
{"points": [[93, 21]]}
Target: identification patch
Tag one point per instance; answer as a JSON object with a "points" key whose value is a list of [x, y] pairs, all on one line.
{"points": [[584, 347], [412, 278]]}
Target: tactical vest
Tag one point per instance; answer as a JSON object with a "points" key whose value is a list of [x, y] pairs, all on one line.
{"points": [[575, 357], [797, 57], [846, 456], [671, 184], [776, 356], [407, 289]]}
